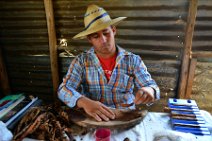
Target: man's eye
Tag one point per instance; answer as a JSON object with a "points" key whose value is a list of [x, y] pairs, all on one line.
{"points": [[106, 33], [95, 36]]}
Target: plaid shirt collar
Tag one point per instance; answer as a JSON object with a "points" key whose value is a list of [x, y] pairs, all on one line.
{"points": [[121, 51]]}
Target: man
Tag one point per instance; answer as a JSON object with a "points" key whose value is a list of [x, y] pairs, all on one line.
{"points": [[106, 76]]}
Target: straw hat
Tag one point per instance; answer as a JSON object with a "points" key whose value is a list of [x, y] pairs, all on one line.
{"points": [[96, 19]]}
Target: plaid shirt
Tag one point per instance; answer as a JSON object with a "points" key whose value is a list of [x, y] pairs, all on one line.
{"points": [[86, 77]]}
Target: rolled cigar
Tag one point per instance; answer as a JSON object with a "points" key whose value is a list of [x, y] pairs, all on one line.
{"points": [[176, 113], [183, 117]]}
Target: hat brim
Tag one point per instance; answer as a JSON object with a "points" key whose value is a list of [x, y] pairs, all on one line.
{"points": [[83, 34]]}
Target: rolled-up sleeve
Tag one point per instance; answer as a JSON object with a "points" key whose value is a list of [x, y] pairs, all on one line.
{"points": [[67, 91], [143, 77]]}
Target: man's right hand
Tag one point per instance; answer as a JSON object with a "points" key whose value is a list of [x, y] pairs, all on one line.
{"points": [[95, 109]]}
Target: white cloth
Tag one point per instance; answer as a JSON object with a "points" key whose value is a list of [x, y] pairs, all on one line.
{"points": [[5, 134], [154, 127], [208, 119]]}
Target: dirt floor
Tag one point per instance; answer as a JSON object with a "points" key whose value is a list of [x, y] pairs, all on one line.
{"points": [[202, 86]]}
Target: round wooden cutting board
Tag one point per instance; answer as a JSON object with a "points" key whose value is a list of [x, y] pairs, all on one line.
{"points": [[124, 119]]}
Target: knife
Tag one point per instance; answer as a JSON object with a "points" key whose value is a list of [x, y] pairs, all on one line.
{"points": [[196, 131], [190, 125], [169, 109], [184, 107], [191, 128], [186, 110], [184, 121]]}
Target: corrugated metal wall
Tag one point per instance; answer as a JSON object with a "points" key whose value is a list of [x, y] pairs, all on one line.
{"points": [[203, 29], [154, 29], [24, 39]]}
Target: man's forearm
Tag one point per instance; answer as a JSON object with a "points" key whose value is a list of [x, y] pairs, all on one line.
{"points": [[68, 95]]}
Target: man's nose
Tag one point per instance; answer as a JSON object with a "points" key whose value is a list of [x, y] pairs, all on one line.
{"points": [[102, 38]]}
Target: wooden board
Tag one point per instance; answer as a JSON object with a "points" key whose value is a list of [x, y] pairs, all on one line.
{"points": [[124, 119]]}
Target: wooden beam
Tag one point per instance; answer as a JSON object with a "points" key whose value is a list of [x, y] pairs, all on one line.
{"points": [[202, 55], [187, 48], [192, 67], [52, 45], [4, 82]]}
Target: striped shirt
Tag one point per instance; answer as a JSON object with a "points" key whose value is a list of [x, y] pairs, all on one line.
{"points": [[86, 77]]}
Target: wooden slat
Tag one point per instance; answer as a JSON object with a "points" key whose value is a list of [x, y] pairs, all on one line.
{"points": [[202, 54], [192, 67], [4, 82], [187, 49], [52, 45]]}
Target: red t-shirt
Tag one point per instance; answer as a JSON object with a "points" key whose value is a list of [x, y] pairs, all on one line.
{"points": [[108, 65]]}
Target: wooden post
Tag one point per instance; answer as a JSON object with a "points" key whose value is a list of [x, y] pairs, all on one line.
{"points": [[187, 48], [192, 68], [4, 82], [52, 45]]}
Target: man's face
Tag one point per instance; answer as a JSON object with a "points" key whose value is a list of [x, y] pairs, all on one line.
{"points": [[103, 41]]}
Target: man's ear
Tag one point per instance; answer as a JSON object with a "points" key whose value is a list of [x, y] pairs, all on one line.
{"points": [[89, 39], [114, 30]]}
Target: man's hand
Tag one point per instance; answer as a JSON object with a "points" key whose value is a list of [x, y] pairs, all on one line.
{"points": [[144, 95], [95, 109]]}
